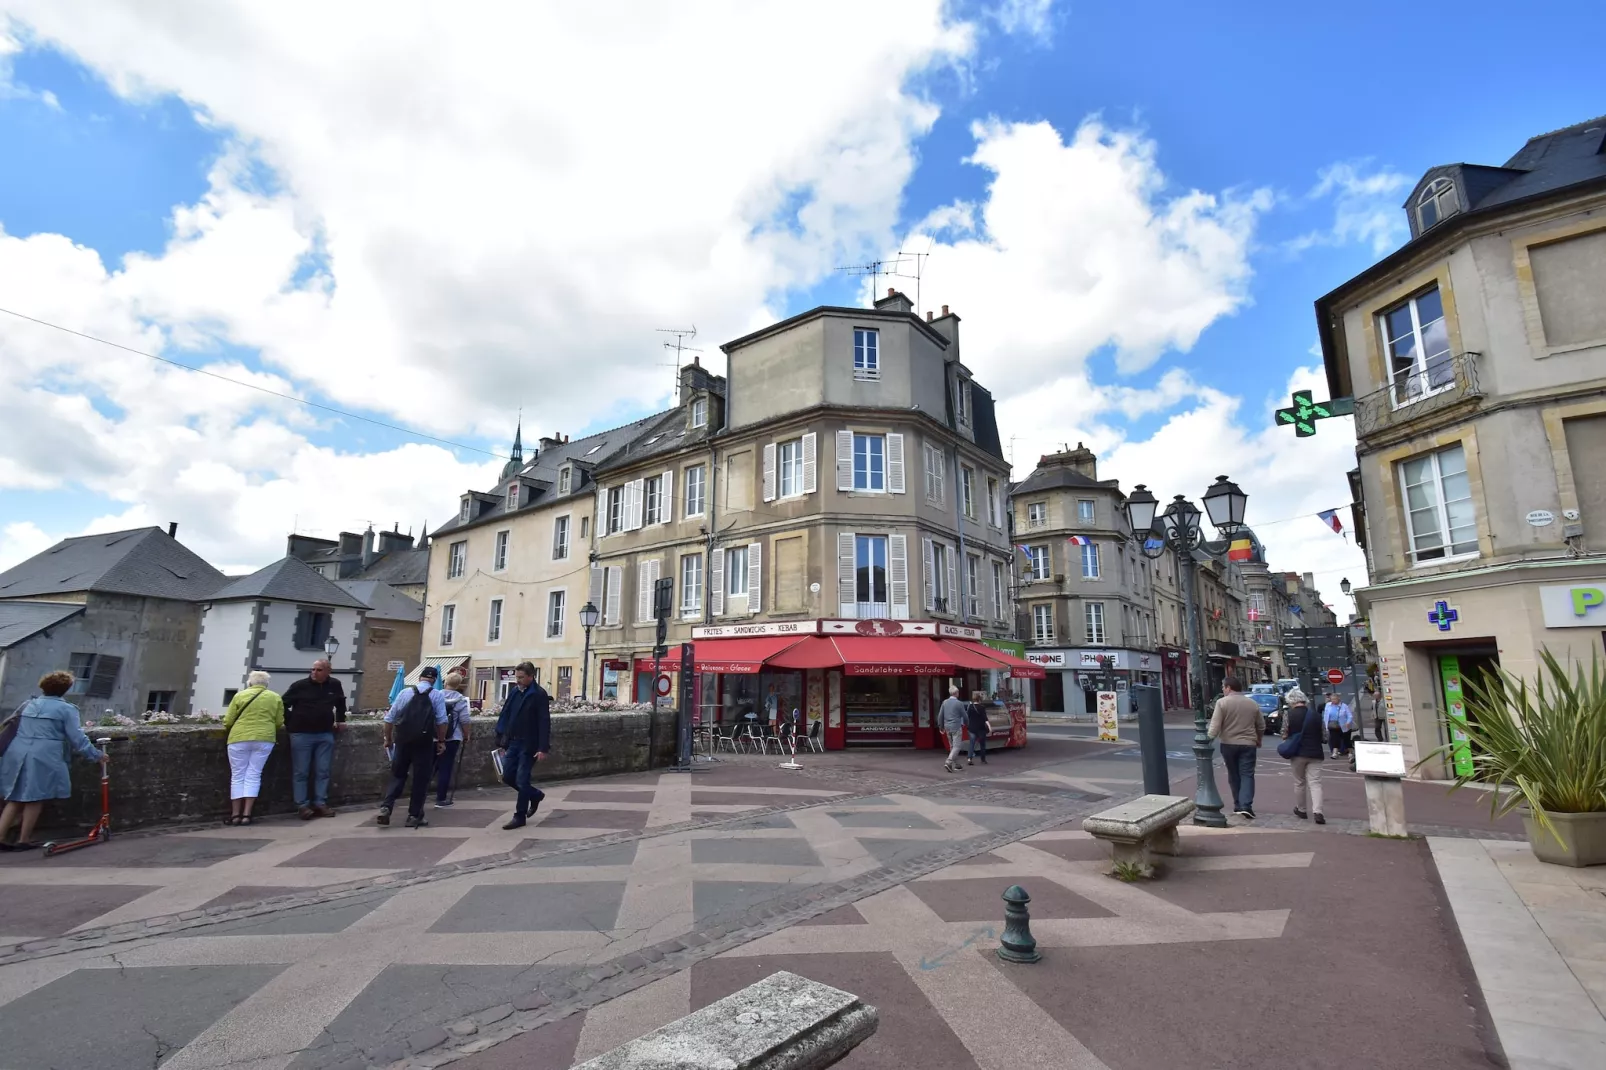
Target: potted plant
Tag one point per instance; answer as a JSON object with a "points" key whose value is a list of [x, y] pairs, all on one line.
{"points": [[1543, 749]]}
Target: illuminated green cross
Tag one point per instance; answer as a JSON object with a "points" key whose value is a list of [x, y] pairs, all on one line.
{"points": [[1304, 412]]}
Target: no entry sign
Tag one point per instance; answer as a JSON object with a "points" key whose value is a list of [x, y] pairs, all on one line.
{"points": [[1335, 676]]}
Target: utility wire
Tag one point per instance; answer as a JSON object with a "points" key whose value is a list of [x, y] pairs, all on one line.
{"points": [[250, 386]]}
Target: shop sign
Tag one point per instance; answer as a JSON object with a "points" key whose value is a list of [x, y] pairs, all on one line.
{"points": [[1049, 659], [1090, 658], [1109, 723], [1580, 605], [731, 631], [959, 631], [865, 669], [878, 627], [887, 626]]}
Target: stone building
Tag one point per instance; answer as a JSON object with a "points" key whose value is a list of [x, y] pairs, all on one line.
{"points": [[1476, 355], [387, 557], [391, 639], [1265, 610]]}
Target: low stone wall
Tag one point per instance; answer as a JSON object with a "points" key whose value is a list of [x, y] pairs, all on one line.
{"points": [[167, 774]]}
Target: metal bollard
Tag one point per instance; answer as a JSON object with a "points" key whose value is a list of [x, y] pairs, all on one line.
{"points": [[1017, 944]]}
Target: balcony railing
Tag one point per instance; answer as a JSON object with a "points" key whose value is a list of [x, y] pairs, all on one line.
{"points": [[1413, 394]]}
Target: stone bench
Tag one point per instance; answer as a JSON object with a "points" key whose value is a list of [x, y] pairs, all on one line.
{"points": [[784, 1022], [1136, 829]]}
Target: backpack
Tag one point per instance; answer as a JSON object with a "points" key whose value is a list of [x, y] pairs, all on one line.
{"points": [[417, 719]]}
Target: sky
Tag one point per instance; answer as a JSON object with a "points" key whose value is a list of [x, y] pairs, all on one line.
{"points": [[441, 217]]}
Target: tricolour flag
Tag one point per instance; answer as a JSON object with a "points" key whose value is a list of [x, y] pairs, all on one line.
{"points": [[1330, 518], [1079, 540], [1240, 550], [1023, 548]]}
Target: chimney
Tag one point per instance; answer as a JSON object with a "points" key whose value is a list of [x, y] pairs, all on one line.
{"points": [[350, 544], [551, 443], [370, 553], [172, 529], [694, 378], [947, 325], [895, 302], [1081, 459], [928, 315]]}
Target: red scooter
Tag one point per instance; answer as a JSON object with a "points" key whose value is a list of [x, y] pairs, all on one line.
{"points": [[103, 828]]}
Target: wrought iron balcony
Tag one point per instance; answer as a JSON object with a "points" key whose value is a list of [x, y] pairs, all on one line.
{"points": [[1441, 384]]}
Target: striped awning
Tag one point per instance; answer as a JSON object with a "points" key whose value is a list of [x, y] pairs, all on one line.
{"points": [[443, 665]]}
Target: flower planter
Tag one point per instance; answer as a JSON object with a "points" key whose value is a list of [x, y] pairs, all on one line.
{"points": [[1583, 838]]}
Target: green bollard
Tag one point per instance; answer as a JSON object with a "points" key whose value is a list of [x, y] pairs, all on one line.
{"points": [[1017, 945]]}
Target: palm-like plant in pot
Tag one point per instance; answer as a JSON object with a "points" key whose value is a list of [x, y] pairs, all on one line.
{"points": [[1543, 748]]}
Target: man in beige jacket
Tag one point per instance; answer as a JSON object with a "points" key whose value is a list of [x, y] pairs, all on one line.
{"points": [[1238, 723]]}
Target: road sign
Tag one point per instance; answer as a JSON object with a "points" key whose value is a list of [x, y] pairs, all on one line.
{"points": [[664, 685], [1335, 676]]}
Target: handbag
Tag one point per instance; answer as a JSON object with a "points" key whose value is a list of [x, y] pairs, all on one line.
{"points": [[1289, 748], [8, 727]]}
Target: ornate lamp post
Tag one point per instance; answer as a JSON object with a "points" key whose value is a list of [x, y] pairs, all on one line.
{"points": [[330, 645], [588, 620], [1183, 535], [1345, 586]]}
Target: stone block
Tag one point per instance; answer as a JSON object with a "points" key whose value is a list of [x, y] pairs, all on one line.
{"points": [[1385, 806], [782, 1021]]}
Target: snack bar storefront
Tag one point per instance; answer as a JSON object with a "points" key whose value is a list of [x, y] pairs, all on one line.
{"points": [[863, 682]]}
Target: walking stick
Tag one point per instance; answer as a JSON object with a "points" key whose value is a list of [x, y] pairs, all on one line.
{"points": [[457, 770]]}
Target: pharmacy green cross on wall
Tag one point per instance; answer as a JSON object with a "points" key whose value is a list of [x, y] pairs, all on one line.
{"points": [[1304, 412]]}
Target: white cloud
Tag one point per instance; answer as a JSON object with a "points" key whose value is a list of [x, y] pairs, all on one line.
{"points": [[1366, 207], [1031, 18]]}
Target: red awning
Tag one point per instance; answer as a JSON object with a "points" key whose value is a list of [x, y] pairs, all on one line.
{"points": [[745, 655], [1019, 668], [968, 656], [815, 652], [894, 655]]}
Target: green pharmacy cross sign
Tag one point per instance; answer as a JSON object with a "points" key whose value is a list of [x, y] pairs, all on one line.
{"points": [[1304, 412]]}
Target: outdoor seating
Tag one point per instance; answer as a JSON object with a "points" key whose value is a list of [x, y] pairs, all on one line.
{"points": [[1143, 827], [815, 737]]}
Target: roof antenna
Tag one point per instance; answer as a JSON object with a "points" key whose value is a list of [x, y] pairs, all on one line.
{"points": [[874, 270], [920, 268], [682, 336]]}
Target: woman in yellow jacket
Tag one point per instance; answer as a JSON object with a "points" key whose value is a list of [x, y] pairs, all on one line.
{"points": [[254, 721]]}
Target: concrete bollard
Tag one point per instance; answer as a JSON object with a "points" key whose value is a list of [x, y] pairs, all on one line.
{"points": [[1017, 944]]}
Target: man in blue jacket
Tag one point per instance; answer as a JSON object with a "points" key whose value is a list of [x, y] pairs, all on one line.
{"points": [[523, 736]]}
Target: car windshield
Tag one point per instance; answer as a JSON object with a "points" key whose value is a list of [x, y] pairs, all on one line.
{"points": [[1263, 689]]}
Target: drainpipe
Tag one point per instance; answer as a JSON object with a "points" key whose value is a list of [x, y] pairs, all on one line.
{"points": [[959, 526]]}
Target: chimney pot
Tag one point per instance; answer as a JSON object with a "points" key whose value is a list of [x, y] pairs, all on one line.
{"points": [[891, 290], [928, 315], [944, 310], [172, 530]]}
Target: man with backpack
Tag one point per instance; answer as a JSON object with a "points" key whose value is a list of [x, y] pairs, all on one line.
{"points": [[415, 732], [523, 736]]}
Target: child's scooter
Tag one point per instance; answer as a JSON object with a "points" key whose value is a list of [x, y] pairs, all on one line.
{"points": [[103, 828]]}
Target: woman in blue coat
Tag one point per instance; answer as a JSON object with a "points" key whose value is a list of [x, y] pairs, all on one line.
{"points": [[34, 767]]}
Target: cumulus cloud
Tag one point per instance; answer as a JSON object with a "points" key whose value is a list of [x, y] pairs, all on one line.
{"points": [[1366, 207], [1031, 18]]}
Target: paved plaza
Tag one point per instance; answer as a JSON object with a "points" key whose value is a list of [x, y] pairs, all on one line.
{"points": [[634, 900]]}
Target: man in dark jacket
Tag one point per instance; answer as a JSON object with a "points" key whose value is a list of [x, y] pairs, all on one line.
{"points": [[523, 736], [978, 726], [314, 710]]}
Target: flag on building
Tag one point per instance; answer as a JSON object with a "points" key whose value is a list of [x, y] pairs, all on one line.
{"points": [[1297, 610], [1079, 540], [1240, 550], [1254, 614], [1330, 518], [1023, 548]]}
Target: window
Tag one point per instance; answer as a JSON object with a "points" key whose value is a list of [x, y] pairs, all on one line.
{"points": [[939, 578], [1438, 503], [1418, 346], [1084, 510], [998, 590], [555, 601], [160, 701], [866, 353], [462, 514], [228, 696], [457, 560], [1094, 612], [652, 510], [448, 624], [1037, 515], [564, 476], [1437, 202], [95, 675], [967, 491], [499, 556], [493, 626], [962, 403], [312, 629], [1043, 623], [789, 467], [512, 496], [870, 574], [1090, 561], [1257, 605], [995, 511], [699, 412], [691, 585], [560, 538], [1038, 556], [616, 510], [973, 585], [736, 571], [869, 462], [935, 464], [585, 527], [694, 490]]}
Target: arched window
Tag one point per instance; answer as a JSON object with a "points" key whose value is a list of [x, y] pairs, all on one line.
{"points": [[1438, 202]]}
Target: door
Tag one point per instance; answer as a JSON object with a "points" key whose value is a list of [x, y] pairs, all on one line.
{"points": [[1457, 673], [1051, 693]]}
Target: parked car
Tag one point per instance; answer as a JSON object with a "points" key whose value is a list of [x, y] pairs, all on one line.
{"points": [[1269, 697], [1286, 684]]}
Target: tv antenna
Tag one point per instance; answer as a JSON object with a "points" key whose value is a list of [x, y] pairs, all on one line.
{"points": [[682, 336], [920, 268], [874, 270]]}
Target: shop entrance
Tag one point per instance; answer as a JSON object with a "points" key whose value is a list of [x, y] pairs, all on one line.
{"points": [[1457, 670], [1050, 693], [879, 711]]}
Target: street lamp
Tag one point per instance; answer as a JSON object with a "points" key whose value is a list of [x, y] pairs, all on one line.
{"points": [[588, 620], [1225, 503], [1344, 585], [330, 645]]}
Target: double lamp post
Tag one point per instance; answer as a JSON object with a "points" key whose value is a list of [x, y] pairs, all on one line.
{"points": [[1183, 535]]}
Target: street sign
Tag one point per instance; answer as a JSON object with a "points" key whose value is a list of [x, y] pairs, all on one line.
{"points": [[1335, 676], [1304, 412], [664, 685]]}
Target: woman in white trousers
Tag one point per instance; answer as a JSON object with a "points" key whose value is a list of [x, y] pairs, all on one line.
{"points": [[254, 721]]}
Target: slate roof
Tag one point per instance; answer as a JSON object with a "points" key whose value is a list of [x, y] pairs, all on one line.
{"points": [[144, 562], [1056, 476], [399, 567], [288, 579], [19, 620], [383, 601]]}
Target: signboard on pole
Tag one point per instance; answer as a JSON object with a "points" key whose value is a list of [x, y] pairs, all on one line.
{"points": [[1109, 724], [1335, 676]]}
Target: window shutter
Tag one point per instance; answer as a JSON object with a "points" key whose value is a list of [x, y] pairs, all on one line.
{"points": [[930, 573], [846, 575], [716, 582], [616, 581], [303, 638], [666, 498], [644, 590], [104, 681], [937, 474], [953, 595], [809, 465], [596, 585], [769, 472], [894, 464], [755, 576], [985, 578], [898, 576], [633, 500], [844, 460], [600, 521]]}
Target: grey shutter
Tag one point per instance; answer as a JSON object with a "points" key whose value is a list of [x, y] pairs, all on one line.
{"points": [[716, 582], [953, 597], [930, 574], [809, 465], [769, 472], [898, 576], [755, 576], [644, 590], [846, 577], [666, 497], [104, 681], [894, 464], [596, 585], [616, 582], [844, 460]]}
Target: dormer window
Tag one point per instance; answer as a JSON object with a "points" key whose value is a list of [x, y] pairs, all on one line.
{"points": [[699, 412], [462, 515], [512, 497], [563, 481], [1438, 202], [962, 409]]}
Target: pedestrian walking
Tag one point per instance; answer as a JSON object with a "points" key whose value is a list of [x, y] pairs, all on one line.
{"points": [[1304, 747], [1379, 714], [34, 766], [415, 735], [253, 724], [457, 736], [979, 727], [1238, 723], [1340, 720], [314, 711], [523, 737], [952, 717]]}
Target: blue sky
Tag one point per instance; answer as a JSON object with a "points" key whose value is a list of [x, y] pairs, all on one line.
{"points": [[329, 248]]}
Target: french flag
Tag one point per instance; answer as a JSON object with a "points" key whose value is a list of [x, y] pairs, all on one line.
{"points": [[1079, 540], [1330, 518]]}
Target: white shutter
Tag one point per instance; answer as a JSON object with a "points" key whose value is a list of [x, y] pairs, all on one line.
{"points": [[644, 590], [616, 582], [953, 595], [809, 465], [937, 460], [596, 585], [755, 576], [769, 472], [666, 497], [894, 464], [992, 590], [844, 460], [633, 501], [716, 582], [600, 521], [898, 576], [846, 575], [930, 573]]}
